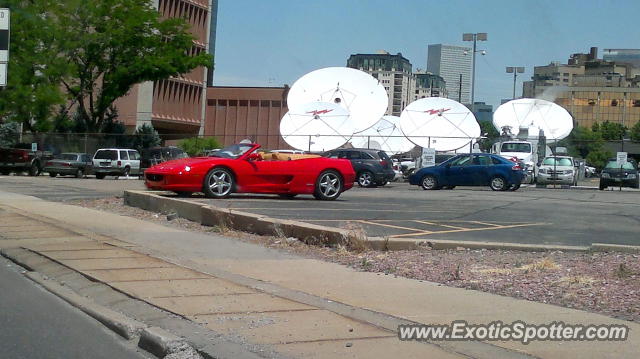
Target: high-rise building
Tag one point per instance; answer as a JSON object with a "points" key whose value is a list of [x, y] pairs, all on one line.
{"points": [[429, 85], [394, 73], [175, 105], [454, 64]]}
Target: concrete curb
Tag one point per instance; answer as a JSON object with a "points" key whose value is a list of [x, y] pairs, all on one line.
{"points": [[163, 344], [316, 234], [118, 323]]}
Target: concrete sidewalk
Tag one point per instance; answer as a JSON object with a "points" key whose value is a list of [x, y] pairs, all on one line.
{"points": [[308, 302]]}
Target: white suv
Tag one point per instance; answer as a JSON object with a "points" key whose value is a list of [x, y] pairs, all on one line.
{"points": [[557, 169], [116, 162]]}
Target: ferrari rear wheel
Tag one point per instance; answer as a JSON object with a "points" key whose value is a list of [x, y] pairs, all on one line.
{"points": [[328, 186], [218, 183]]}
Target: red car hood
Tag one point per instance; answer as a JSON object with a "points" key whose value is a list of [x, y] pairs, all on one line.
{"points": [[181, 163]]}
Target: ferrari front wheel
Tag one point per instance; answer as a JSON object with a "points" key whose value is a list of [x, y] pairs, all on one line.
{"points": [[328, 186], [218, 183]]}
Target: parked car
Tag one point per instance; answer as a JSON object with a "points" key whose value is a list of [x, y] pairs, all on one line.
{"points": [[478, 169], [22, 159], [240, 168], [590, 171], [558, 170], [154, 155], [613, 175], [72, 163], [116, 162], [372, 167]]}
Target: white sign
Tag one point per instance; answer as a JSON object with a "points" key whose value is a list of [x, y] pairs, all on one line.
{"points": [[4, 19], [428, 157], [3, 74], [621, 158], [34, 146]]}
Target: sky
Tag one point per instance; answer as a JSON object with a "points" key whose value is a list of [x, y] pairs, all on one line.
{"points": [[274, 42]]}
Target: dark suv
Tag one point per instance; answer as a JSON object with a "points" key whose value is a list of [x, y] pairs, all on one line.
{"points": [[372, 167], [613, 175]]}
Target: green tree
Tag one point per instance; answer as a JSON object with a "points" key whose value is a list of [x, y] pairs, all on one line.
{"points": [[146, 136], [35, 68], [196, 146], [489, 131], [612, 131], [111, 45], [634, 132], [9, 134]]}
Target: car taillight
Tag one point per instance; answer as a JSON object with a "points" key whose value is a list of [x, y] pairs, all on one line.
{"points": [[25, 156], [383, 163], [49, 163], [516, 167]]}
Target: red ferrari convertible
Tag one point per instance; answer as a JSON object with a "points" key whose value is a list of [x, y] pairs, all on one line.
{"points": [[240, 168]]}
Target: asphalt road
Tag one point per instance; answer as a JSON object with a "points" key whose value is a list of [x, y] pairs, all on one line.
{"points": [[529, 215], [36, 324]]}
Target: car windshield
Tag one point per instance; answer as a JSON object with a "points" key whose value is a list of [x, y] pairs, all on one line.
{"points": [[233, 151], [615, 165], [557, 161], [106, 155], [68, 157], [516, 147]]}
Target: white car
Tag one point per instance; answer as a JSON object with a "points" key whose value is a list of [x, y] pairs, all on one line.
{"points": [[558, 170], [116, 162]]}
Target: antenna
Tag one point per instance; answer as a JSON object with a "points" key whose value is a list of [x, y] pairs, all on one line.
{"points": [[316, 126], [535, 115], [384, 135], [439, 123], [358, 92]]}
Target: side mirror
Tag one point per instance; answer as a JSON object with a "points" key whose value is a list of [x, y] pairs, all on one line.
{"points": [[254, 157]]}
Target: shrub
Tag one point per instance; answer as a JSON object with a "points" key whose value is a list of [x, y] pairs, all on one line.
{"points": [[196, 146]]}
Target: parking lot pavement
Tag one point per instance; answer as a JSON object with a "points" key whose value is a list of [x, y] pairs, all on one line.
{"points": [[528, 216], [63, 189]]}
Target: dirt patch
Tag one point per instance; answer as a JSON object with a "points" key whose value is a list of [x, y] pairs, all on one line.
{"points": [[605, 283]]}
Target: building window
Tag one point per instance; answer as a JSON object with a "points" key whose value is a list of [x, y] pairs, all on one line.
{"points": [[275, 103], [265, 103], [233, 102], [614, 102], [636, 103], [222, 102], [592, 102]]}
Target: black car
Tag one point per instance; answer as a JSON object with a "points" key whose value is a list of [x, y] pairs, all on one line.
{"points": [[372, 167], [154, 155], [613, 175]]}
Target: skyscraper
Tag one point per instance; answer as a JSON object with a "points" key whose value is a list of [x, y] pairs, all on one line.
{"points": [[394, 73], [453, 64]]}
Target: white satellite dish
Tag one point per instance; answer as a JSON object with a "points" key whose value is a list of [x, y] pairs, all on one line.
{"points": [[553, 119], [386, 134], [439, 123], [357, 91], [316, 126]]}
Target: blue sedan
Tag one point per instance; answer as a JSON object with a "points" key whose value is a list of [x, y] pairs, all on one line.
{"points": [[477, 169]]}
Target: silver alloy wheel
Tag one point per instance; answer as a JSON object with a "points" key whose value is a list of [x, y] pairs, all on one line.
{"points": [[365, 179], [220, 183], [428, 182], [329, 184], [497, 184]]}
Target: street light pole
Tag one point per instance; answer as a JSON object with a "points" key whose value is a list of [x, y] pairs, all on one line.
{"points": [[480, 36], [515, 70]]}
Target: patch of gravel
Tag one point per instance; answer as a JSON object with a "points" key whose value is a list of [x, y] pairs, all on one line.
{"points": [[605, 283]]}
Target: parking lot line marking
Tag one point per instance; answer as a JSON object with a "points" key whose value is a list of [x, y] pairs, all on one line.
{"points": [[439, 225], [467, 230], [392, 226], [485, 223]]}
